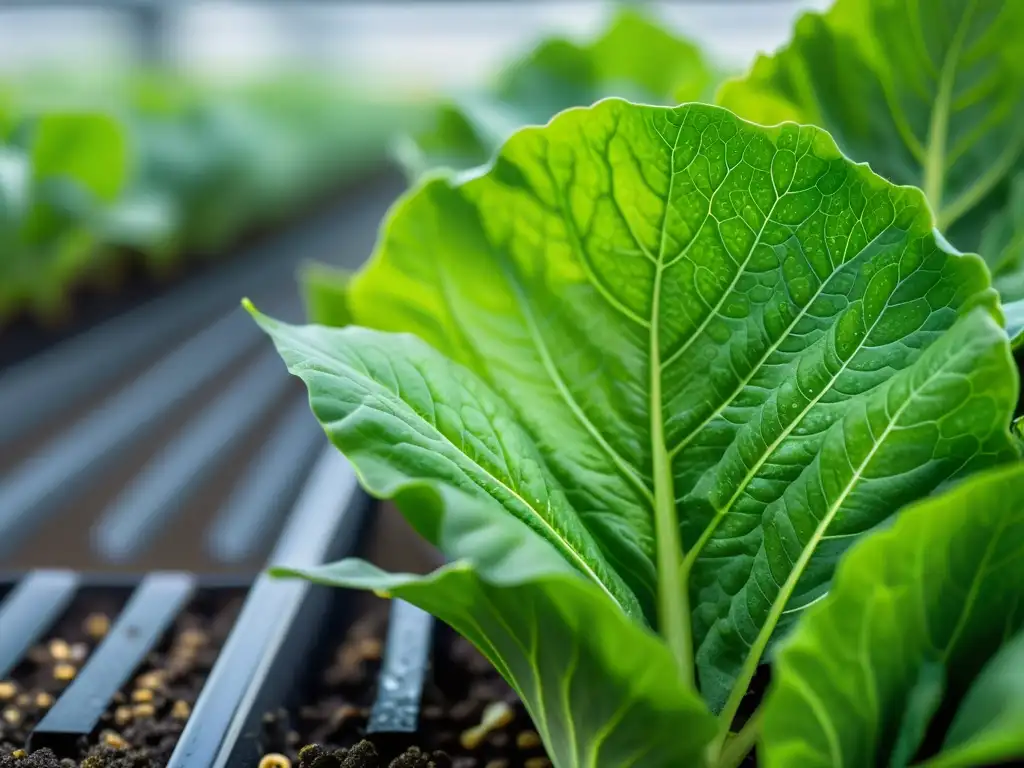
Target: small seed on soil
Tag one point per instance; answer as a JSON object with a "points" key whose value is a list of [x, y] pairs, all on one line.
{"points": [[12, 716], [192, 638], [64, 671], [181, 710], [370, 648], [143, 710], [114, 740], [527, 740], [97, 625], [19, 754], [44, 700], [123, 715], [275, 760], [59, 650], [24, 700], [537, 762], [142, 695], [499, 763], [496, 715], [150, 680], [7, 690]]}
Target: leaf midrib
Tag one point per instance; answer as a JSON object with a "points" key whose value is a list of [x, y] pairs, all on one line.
{"points": [[760, 643], [673, 602], [938, 128]]}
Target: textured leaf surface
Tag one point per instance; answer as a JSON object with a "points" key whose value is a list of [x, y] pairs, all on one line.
{"points": [[633, 58], [401, 412], [928, 93], [601, 689], [940, 589], [743, 310]]}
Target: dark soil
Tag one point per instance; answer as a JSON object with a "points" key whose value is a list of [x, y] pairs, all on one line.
{"points": [[470, 717], [51, 665], [143, 722]]}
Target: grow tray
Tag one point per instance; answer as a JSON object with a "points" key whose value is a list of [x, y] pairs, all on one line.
{"points": [[172, 669], [170, 436]]}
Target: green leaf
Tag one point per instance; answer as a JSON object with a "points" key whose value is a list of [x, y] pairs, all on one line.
{"points": [[989, 725], [325, 291], [796, 313], [928, 93], [941, 587], [89, 149], [697, 357], [1014, 313], [552, 635], [398, 409], [923, 700], [1002, 244], [634, 58]]}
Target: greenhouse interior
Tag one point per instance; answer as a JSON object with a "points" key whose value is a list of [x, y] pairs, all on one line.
{"points": [[511, 384]]}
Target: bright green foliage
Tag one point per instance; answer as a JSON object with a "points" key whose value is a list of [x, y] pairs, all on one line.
{"points": [[929, 93], [633, 58], [56, 172], [325, 294], [161, 166], [695, 357], [601, 689], [921, 629]]}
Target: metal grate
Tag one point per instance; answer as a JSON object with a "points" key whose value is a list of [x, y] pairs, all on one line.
{"points": [[171, 436], [265, 654]]}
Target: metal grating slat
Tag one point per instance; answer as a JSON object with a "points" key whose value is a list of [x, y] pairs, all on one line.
{"points": [[29, 610], [149, 613], [246, 520], [404, 671], [326, 518], [199, 450], [39, 484]]}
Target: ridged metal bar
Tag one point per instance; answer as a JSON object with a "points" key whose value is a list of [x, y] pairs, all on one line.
{"points": [[38, 486], [261, 657], [29, 610], [246, 521], [169, 481], [148, 615], [404, 670]]}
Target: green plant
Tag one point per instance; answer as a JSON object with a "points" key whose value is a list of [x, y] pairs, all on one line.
{"points": [[920, 642], [928, 93], [644, 379], [634, 57], [57, 172]]}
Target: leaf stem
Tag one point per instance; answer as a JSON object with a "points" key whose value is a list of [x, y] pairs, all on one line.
{"points": [[738, 747], [673, 602], [938, 128]]}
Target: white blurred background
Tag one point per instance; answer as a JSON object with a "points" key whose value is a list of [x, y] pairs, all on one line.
{"points": [[386, 44]]}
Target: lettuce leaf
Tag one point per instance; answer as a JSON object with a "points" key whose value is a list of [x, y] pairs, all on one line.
{"points": [[695, 357], [928, 93], [937, 597]]}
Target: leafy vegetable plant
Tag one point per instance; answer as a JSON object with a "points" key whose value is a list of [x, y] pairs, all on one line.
{"points": [[919, 644], [643, 379], [634, 58], [57, 172], [929, 93]]}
